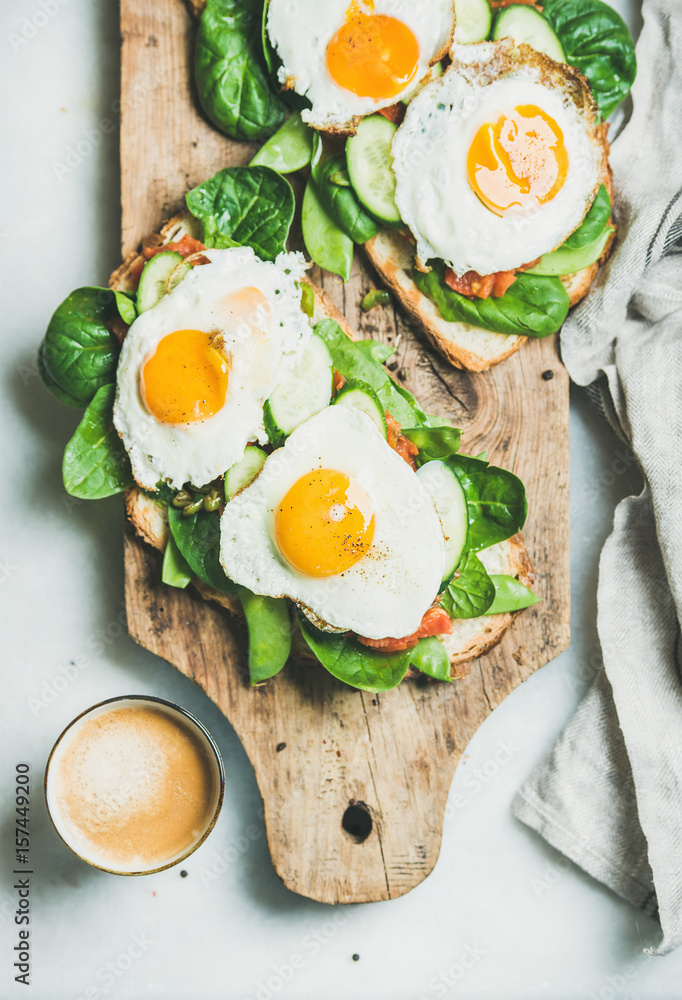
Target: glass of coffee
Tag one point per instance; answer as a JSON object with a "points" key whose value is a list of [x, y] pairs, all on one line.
{"points": [[134, 785]]}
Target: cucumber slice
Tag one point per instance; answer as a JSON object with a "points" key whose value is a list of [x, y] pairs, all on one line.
{"points": [[244, 471], [473, 21], [451, 504], [154, 278], [179, 272], [525, 24], [362, 396], [306, 390], [370, 167], [566, 260]]}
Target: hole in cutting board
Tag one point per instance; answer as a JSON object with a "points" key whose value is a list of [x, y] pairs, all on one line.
{"points": [[357, 821]]}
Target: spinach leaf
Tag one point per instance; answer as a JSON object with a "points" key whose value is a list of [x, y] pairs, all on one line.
{"points": [[250, 206], [289, 149], [471, 591], [357, 359], [496, 501], [594, 223], [430, 656], [510, 595], [50, 383], [340, 199], [78, 354], [533, 306], [375, 350], [175, 570], [326, 243], [267, 619], [355, 664], [434, 442], [198, 539], [231, 74], [95, 462], [597, 42]]}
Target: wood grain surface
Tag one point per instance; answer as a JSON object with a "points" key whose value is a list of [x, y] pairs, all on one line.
{"points": [[394, 754]]}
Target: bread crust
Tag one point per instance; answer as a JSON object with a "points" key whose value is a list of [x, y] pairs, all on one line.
{"points": [[149, 517]]}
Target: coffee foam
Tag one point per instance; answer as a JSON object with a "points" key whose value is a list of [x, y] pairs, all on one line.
{"points": [[134, 787]]}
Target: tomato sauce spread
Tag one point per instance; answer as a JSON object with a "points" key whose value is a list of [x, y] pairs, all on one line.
{"points": [[185, 246], [405, 448], [436, 621], [482, 286]]}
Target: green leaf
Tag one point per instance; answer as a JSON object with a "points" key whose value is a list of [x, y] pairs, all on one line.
{"points": [[198, 539], [567, 261], [594, 223], [50, 383], [510, 595], [375, 350], [597, 42], [250, 206], [325, 241], [95, 462], [231, 74], [496, 501], [351, 662], [340, 201], [430, 656], [434, 442], [175, 570], [126, 307], [360, 360], [78, 354], [267, 619], [289, 149], [471, 591], [533, 306]]}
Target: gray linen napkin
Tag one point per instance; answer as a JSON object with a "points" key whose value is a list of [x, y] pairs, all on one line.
{"points": [[610, 794]]}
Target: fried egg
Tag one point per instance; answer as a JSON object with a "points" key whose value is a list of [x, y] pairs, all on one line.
{"points": [[196, 368], [337, 521], [497, 161], [352, 57]]}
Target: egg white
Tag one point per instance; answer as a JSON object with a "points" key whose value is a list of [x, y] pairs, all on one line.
{"points": [[391, 586], [430, 151], [301, 31], [199, 452]]}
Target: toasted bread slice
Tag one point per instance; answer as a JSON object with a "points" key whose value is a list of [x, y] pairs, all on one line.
{"points": [[468, 640]]}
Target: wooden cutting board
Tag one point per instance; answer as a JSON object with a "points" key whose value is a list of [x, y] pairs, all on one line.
{"points": [[320, 750]]}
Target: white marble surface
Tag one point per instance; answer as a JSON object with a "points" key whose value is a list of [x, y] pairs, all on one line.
{"points": [[502, 911]]}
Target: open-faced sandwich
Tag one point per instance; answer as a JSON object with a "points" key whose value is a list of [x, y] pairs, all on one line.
{"points": [[475, 172], [272, 457]]}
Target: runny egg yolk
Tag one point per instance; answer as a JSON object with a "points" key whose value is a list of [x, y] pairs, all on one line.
{"points": [[372, 55], [185, 379], [324, 524], [517, 161]]}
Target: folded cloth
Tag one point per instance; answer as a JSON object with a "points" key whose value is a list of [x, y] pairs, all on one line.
{"points": [[610, 794]]}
